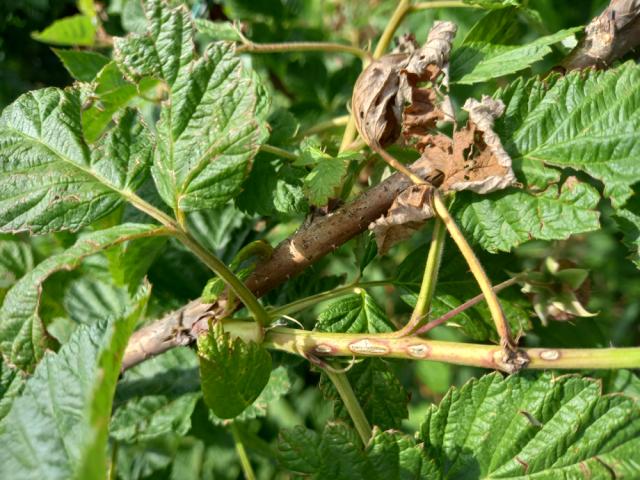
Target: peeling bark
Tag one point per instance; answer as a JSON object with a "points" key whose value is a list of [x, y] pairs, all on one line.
{"points": [[608, 37]]}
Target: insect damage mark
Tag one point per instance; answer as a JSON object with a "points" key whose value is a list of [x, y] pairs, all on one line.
{"points": [[550, 355], [369, 347], [418, 351]]}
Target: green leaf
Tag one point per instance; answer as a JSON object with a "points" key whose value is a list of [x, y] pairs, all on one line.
{"points": [[208, 130], [111, 93], [11, 384], [378, 390], [130, 261], [325, 178], [50, 180], [337, 453], [584, 120], [217, 30], [87, 8], [83, 66], [23, 336], [357, 313], [88, 299], [629, 224], [273, 187], [16, 259], [279, 385], [503, 220], [77, 30], [484, 55], [58, 427], [232, 373], [156, 398], [533, 427]]}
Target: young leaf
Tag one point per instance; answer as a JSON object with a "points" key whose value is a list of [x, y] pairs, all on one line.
{"points": [[208, 131], [279, 385], [50, 180], [77, 30], [324, 179], [83, 66], [483, 54], [357, 313], [337, 453], [378, 390], [58, 427], [232, 373], [584, 120], [502, 220], [23, 336], [525, 426], [156, 398], [112, 92]]}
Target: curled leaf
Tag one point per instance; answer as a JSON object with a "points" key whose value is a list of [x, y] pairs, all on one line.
{"points": [[407, 214], [389, 83], [474, 159]]}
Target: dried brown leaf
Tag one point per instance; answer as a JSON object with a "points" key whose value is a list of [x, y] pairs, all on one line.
{"points": [[387, 84], [473, 160], [407, 214]]}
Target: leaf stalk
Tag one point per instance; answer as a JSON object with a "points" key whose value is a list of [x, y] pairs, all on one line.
{"points": [[341, 382]]}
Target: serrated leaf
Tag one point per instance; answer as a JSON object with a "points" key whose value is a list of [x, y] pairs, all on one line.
{"points": [[378, 390], [64, 409], [357, 313], [337, 453], [156, 398], [486, 53], [77, 30], [217, 30], [50, 180], [533, 427], [16, 259], [11, 384], [502, 220], [111, 93], [232, 373], [23, 336], [273, 187], [279, 385], [629, 224], [88, 300], [585, 121], [83, 66], [208, 130], [324, 180], [130, 261]]}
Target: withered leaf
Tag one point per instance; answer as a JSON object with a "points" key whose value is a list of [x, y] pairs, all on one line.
{"points": [[473, 160], [407, 214], [385, 86]]}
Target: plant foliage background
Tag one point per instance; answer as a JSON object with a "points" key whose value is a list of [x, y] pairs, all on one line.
{"points": [[105, 109]]}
